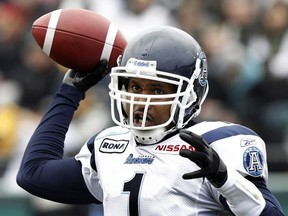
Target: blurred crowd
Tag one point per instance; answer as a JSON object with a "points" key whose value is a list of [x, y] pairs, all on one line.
{"points": [[246, 42]]}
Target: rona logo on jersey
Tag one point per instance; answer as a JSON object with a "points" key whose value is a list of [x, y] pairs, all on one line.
{"points": [[113, 146]]}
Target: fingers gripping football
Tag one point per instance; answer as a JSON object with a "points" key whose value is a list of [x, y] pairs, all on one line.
{"points": [[211, 165], [83, 80]]}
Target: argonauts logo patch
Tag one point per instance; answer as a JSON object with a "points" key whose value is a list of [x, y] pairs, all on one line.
{"points": [[253, 161]]}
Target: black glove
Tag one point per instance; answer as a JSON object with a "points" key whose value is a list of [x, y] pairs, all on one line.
{"points": [[86, 79], [212, 167]]}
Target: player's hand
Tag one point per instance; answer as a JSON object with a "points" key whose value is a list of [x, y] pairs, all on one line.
{"points": [[211, 165], [85, 80]]}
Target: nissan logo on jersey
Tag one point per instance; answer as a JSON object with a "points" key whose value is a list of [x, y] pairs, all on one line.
{"points": [[113, 146], [172, 148]]}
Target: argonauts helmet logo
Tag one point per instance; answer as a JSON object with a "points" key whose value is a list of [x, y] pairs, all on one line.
{"points": [[253, 161]]}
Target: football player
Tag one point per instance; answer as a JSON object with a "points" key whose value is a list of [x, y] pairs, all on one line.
{"points": [[157, 160]]}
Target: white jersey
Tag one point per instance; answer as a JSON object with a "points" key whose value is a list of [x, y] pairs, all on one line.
{"points": [[132, 179]]}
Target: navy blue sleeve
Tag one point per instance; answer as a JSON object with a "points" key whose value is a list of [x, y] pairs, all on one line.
{"points": [[43, 171], [272, 206]]}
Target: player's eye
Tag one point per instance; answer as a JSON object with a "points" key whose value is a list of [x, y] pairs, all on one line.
{"points": [[158, 92], [136, 88]]}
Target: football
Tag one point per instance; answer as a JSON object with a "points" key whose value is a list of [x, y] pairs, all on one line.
{"points": [[78, 38]]}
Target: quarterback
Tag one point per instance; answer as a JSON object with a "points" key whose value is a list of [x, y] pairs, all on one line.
{"points": [[156, 160]]}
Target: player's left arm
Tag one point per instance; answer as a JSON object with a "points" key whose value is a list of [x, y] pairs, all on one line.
{"points": [[242, 196]]}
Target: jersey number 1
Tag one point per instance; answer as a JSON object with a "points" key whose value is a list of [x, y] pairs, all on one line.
{"points": [[133, 187]]}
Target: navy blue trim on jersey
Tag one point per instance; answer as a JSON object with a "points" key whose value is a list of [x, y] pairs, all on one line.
{"points": [[90, 145], [225, 132]]}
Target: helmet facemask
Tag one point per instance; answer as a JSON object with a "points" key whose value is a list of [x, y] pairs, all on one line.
{"points": [[123, 102]]}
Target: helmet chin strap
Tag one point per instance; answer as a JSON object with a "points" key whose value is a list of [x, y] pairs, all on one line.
{"points": [[149, 137]]}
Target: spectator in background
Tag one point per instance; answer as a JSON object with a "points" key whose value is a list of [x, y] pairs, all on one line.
{"points": [[37, 75], [232, 66], [9, 114], [240, 16], [191, 17], [269, 99], [19, 51], [13, 25]]}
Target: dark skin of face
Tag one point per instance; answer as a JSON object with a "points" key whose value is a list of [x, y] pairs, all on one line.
{"points": [[156, 114]]}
